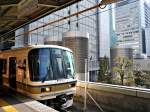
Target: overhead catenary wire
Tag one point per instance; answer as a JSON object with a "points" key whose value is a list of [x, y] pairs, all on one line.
{"points": [[55, 21], [85, 16], [67, 17], [53, 10]]}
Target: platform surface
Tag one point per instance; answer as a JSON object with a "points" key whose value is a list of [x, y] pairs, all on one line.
{"points": [[20, 103]]}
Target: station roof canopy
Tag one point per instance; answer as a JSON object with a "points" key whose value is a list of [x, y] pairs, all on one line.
{"points": [[16, 13]]}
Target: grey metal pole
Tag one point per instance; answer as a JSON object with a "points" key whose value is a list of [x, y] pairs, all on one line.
{"points": [[85, 89]]}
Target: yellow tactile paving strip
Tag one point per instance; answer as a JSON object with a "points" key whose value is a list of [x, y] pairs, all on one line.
{"points": [[6, 107]]}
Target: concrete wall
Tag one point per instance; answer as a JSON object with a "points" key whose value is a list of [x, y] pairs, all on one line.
{"points": [[116, 98]]}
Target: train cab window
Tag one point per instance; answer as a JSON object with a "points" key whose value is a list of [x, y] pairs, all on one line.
{"points": [[57, 60], [3, 66], [50, 64], [40, 65], [68, 64]]}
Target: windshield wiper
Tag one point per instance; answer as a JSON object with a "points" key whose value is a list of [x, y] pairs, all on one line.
{"points": [[43, 79]]}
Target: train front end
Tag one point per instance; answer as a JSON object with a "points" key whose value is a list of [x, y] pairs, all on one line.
{"points": [[52, 75]]}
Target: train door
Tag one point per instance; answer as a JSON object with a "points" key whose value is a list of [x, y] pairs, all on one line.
{"points": [[12, 72], [1, 71], [3, 66]]}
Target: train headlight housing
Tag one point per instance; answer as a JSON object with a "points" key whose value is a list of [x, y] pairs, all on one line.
{"points": [[72, 85], [45, 89]]}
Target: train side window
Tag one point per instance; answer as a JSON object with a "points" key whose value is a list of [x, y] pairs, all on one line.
{"points": [[3, 65]]}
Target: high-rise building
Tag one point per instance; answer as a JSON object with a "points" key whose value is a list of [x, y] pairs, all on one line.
{"points": [[131, 18], [127, 18], [105, 31], [147, 14], [91, 22], [85, 22], [147, 35], [113, 36]]}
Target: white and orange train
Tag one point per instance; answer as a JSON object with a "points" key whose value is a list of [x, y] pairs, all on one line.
{"points": [[43, 72]]}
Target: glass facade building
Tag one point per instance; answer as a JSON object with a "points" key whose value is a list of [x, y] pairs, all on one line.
{"points": [[127, 17], [131, 18], [85, 22], [122, 26]]}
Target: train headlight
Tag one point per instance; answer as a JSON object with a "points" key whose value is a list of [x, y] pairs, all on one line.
{"points": [[46, 89]]}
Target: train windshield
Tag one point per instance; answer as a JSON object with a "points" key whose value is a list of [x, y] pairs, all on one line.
{"points": [[50, 64]]}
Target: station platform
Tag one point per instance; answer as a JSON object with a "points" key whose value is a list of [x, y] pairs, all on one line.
{"points": [[20, 103]]}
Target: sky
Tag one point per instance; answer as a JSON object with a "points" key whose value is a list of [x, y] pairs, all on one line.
{"points": [[148, 1]]}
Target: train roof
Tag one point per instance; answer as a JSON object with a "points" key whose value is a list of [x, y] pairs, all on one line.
{"points": [[40, 46]]}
